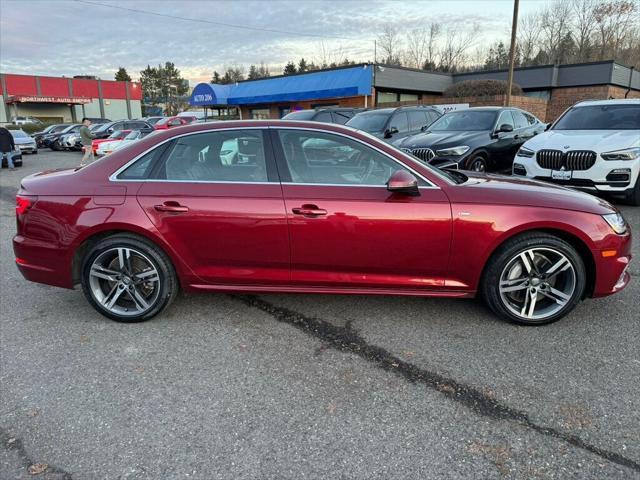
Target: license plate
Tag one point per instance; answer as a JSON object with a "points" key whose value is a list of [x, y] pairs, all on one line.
{"points": [[561, 174]]}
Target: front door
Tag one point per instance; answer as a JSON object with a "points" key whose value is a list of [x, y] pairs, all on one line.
{"points": [[346, 228], [215, 197]]}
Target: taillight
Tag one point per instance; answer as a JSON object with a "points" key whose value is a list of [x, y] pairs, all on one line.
{"points": [[24, 203]]}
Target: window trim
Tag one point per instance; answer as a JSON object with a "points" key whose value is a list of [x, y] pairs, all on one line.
{"points": [[269, 160]]}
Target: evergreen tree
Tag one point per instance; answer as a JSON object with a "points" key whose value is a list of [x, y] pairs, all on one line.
{"points": [[290, 69], [122, 75], [302, 65], [216, 78]]}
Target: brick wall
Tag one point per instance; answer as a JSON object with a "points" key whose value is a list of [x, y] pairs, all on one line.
{"points": [[537, 106]]}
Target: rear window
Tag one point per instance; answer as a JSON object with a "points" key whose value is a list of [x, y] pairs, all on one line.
{"points": [[600, 117]]}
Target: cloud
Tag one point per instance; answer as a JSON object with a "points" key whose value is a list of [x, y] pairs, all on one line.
{"points": [[69, 38]]}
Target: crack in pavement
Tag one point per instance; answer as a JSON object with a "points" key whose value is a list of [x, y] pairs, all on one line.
{"points": [[346, 339], [12, 443]]}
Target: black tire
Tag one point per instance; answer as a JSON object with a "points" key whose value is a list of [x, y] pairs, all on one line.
{"points": [[167, 280], [506, 253], [478, 163], [35, 152], [633, 197]]}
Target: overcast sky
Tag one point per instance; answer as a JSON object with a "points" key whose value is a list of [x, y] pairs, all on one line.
{"points": [[67, 37]]}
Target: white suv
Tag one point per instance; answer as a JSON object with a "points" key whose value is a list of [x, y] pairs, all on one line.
{"points": [[594, 145]]}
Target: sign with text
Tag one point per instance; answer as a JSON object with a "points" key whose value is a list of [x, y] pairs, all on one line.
{"points": [[38, 99]]}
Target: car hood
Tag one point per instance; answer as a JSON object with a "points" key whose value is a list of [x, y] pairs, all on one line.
{"points": [[443, 139], [503, 190], [597, 140]]}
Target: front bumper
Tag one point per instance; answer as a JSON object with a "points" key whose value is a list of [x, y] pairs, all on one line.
{"points": [[604, 176], [612, 271]]}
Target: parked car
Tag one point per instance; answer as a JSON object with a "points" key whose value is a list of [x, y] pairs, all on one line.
{"points": [[106, 129], [52, 140], [199, 115], [381, 222], [110, 145], [71, 141], [393, 124], [339, 115], [594, 145], [152, 120], [19, 120], [24, 142], [170, 122], [116, 136], [479, 138], [57, 128], [98, 120]]}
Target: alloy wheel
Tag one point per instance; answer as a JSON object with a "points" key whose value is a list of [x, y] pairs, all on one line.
{"points": [[478, 165], [537, 283], [124, 281]]}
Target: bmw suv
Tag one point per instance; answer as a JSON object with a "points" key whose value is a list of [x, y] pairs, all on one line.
{"points": [[594, 145]]}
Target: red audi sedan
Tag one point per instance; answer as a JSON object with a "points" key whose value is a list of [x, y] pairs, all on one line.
{"points": [[273, 206]]}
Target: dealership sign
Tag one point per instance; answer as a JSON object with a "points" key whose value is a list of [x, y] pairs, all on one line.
{"points": [[39, 99]]}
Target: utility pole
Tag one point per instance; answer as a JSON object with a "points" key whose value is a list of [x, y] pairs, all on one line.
{"points": [[512, 52]]}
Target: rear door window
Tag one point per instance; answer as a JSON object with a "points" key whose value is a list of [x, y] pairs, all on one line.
{"points": [[400, 121]]}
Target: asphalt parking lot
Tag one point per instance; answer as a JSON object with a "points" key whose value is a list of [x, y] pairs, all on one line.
{"points": [[293, 386]]}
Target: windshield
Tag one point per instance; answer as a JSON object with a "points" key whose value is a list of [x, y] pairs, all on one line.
{"points": [[467, 120], [117, 134], [153, 120], [164, 120], [132, 135], [71, 128], [601, 117], [18, 134], [369, 122], [59, 128], [301, 115]]}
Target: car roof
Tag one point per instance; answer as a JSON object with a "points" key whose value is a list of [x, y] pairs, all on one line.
{"points": [[613, 101]]}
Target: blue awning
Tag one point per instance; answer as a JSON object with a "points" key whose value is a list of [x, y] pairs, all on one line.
{"points": [[209, 94], [343, 82]]}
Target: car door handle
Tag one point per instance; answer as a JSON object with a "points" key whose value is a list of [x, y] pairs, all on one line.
{"points": [[172, 207], [309, 211]]}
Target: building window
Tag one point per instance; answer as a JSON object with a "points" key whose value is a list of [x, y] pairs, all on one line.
{"points": [[387, 97], [260, 113], [408, 97]]}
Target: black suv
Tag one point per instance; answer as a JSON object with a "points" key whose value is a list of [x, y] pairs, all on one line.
{"points": [[106, 129], [339, 115], [392, 124], [479, 138]]}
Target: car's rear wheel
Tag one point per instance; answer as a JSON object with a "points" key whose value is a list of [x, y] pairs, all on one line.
{"points": [[128, 279], [534, 279]]}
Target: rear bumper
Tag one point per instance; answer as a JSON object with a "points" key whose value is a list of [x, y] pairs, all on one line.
{"points": [[40, 262]]}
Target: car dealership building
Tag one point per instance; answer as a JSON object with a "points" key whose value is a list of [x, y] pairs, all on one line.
{"points": [[61, 99], [548, 90]]}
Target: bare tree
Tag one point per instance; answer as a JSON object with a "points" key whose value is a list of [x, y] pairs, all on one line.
{"points": [[390, 45], [555, 26], [529, 36], [456, 45], [583, 28], [417, 43], [432, 45], [615, 21]]}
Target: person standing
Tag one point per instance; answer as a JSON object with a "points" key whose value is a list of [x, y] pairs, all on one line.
{"points": [[7, 147], [86, 138]]}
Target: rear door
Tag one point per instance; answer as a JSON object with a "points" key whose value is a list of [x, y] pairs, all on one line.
{"points": [[223, 213], [347, 230]]}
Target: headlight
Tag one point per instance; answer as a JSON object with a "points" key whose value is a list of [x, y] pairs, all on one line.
{"points": [[525, 152], [459, 150], [617, 222], [626, 154]]}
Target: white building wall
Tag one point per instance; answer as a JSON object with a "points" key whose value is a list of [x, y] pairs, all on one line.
{"points": [[3, 113], [136, 108], [115, 109]]}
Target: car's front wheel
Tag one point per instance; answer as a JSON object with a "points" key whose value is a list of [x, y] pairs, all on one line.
{"points": [[128, 279], [534, 279], [633, 195]]}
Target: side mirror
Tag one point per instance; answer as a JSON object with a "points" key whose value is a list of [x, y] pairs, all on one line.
{"points": [[390, 132], [505, 127], [404, 183], [547, 126], [110, 130]]}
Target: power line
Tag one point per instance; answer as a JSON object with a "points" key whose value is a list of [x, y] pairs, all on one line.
{"points": [[212, 22]]}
